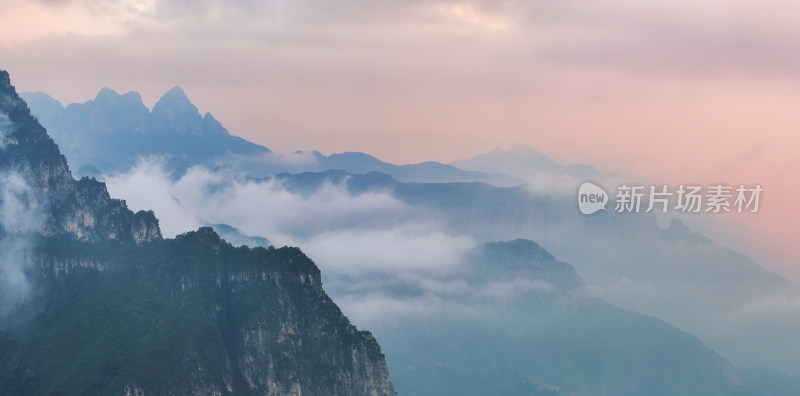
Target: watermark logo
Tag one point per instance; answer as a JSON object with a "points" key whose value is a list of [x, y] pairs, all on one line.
{"points": [[591, 198], [719, 198]]}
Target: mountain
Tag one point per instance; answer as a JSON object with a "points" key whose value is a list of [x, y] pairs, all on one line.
{"points": [[193, 315], [521, 322], [357, 162], [36, 177], [95, 302], [524, 163], [724, 297], [112, 131], [513, 319], [425, 172], [238, 238], [109, 133]]}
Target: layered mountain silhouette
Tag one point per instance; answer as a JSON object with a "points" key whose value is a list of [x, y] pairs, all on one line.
{"points": [[523, 323], [671, 273], [524, 163], [109, 133], [549, 336], [95, 302]]}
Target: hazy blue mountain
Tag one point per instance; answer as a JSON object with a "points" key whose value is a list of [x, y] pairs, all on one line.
{"points": [[523, 162], [528, 319], [630, 261], [93, 301], [47, 107], [425, 172], [175, 113], [112, 131], [671, 273]]}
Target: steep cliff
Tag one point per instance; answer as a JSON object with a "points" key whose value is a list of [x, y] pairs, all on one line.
{"points": [[81, 209], [187, 316], [103, 305]]}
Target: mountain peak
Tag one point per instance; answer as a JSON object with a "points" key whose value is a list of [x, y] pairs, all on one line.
{"points": [[524, 148], [677, 229], [211, 126], [5, 79], [106, 94], [521, 247], [356, 155], [204, 236], [132, 97], [19, 126], [174, 112], [525, 259], [522, 162], [176, 94]]}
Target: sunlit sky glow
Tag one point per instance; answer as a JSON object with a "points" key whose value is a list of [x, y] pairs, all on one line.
{"points": [[673, 92]]}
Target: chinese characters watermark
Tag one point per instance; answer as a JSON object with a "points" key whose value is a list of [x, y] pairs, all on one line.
{"points": [[685, 198]]}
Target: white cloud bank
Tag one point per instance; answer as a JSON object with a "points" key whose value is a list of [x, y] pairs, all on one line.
{"points": [[20, 215], [364, 243]]}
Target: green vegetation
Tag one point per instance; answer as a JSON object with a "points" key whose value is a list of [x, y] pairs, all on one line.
{"points": [[174, 316]]}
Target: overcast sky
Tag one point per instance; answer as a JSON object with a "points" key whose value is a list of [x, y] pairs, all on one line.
{"points": [[671, 91]]}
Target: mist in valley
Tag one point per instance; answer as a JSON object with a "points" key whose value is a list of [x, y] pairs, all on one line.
{"points": [[399, 259]]}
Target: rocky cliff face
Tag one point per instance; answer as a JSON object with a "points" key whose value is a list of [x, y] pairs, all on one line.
{"points": [[118, 310], [81, 209], [187, 316]]}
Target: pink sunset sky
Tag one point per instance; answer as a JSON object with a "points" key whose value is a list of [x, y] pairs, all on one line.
{"points": [[669, 92]]}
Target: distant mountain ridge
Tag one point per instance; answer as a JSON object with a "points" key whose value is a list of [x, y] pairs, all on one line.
{"points": [[533, 329], [110, 132], [424, 172], [523, 162], [675, 274]]}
